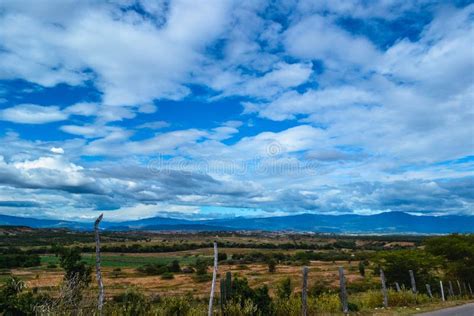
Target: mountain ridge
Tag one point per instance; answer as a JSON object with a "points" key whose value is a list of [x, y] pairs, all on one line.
{"points": [[383, 223]]}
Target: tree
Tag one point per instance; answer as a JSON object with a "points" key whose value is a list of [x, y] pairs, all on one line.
{"points": [[362, 269], [396, 265], [457, 252], [242, 293], [271, 265], [201, 266], [77, 275]]}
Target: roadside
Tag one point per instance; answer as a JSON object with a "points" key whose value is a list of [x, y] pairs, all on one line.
{"points": [[462, 310]]}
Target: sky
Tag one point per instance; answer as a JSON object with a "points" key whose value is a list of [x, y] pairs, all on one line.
{"points": [[221, 108]]}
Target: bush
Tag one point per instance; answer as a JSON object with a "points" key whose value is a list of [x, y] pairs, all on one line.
{"points": [[116, 272], [132, 303], [320, 287], [374, 299], [153, 269], [284, 289], [271, 265], [167, 276]]}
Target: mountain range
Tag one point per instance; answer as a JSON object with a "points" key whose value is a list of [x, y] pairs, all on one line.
{"points": [[384, 223]]}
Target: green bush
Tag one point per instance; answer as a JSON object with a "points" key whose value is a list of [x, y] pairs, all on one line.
{"points": [[130, 303], [167, 276]]}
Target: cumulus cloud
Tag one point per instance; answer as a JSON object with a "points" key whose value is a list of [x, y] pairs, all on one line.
{"points": [[332, 121], [32, 114]]}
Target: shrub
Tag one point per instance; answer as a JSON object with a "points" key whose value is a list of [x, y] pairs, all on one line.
{"points": [[153, 269], [271, 265], [362, 269], [247, 308], [284, 289], [174, 266], [320, 287], [167, 276], [132, 303]]}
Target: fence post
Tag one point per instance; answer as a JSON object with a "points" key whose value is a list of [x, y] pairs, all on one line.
{"points": [[413, 283], [222, 297], [442, 290], [451, 289], [470, 289], [304, 293], [213, 284], [384, 289], [98, 272], [459, 287], [342, 284], [428, 289], [397, 286]]}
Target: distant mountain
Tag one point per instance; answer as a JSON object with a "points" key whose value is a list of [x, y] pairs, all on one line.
{"points": [[8, 220], [384, 223]]}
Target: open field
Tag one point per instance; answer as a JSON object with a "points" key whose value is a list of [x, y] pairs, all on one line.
{"points": [[143, 261]]}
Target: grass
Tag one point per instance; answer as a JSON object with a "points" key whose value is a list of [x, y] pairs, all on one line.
{"points": [[123, 261]]}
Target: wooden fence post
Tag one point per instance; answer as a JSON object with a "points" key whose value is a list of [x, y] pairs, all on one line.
{"points": [[442, 290], [413, 283], [459, 287], [428, 289], [213, 284], [98, 272], [342, 284], [451, 290], [304, 293], [397, 286], [384, 289], [470, 289]]}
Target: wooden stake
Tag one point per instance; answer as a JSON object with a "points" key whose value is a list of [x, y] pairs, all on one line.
{"points": [[442, 290], [470, 289], [413, 283], [304, 292], [98, 272], [428, 289], [384, 289], [451, 290], [459, 287], [397, 286], [342, 284], [213, 284]]}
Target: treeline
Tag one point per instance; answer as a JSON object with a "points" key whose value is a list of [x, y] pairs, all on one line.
{"points": [[158, 248], [19, 260]]}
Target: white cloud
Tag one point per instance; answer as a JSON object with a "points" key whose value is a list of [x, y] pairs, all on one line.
{"points": [[381, 125], [316, 37], [83, 108], [32, 114], [57, 150], [154, 125]]}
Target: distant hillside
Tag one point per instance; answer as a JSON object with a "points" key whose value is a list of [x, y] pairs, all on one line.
{"points": [[385, 223]]}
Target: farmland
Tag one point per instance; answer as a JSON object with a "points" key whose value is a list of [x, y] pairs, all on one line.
{"points": [[166, 265]]}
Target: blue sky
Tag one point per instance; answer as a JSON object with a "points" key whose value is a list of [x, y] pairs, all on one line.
{"points": [[204, 109]]}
